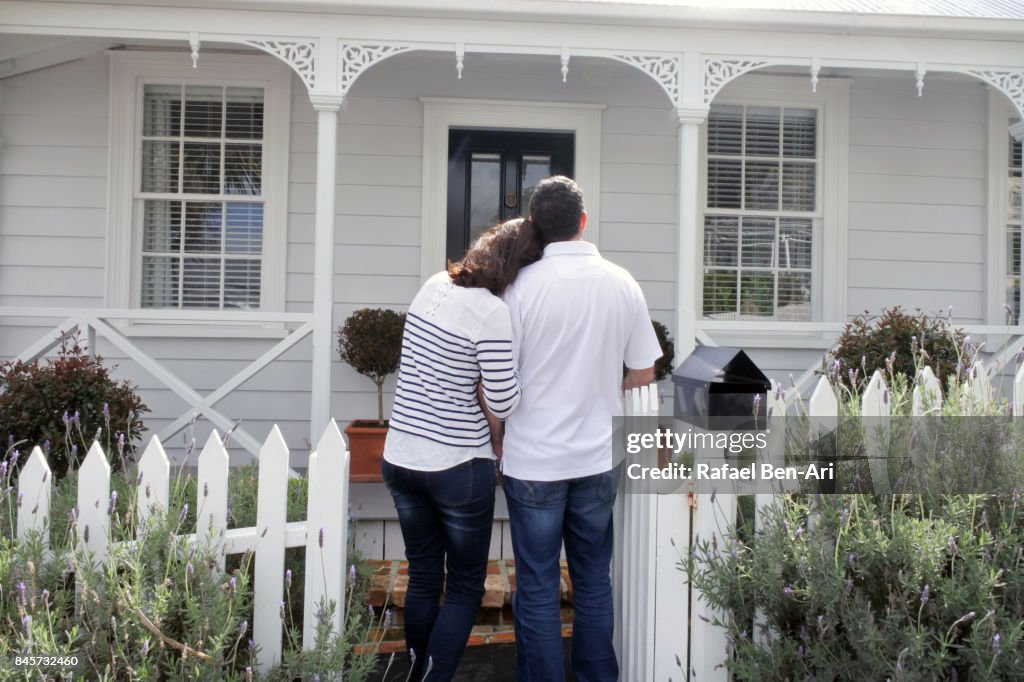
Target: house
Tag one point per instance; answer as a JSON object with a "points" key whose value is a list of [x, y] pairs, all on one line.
{"points": [[206, 190]]}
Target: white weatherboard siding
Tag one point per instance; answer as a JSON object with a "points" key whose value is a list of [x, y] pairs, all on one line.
{"points": [[918, 197], [53, 170]]}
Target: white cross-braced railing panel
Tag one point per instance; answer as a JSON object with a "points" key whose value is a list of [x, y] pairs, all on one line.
{"points": [[108, 324], [324, 533]]}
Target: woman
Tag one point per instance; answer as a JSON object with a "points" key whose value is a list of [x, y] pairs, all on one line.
{"points": [[457, 365]]}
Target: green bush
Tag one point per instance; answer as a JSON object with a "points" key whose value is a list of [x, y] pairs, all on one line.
{"points": [[899, 342], [159, 608], [857, 587], [371, 341], [65, 404]]}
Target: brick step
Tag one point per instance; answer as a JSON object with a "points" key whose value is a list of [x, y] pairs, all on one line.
{"points": [[390, 581], [493, 623]]}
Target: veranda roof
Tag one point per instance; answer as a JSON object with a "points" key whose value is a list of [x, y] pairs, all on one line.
{"points": [[983, 9]]}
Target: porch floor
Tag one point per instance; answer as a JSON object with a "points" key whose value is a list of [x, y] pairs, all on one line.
{"points": [[494, 623]]}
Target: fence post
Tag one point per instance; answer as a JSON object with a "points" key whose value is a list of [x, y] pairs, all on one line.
{"points": [[326, 532], [980, 386], [927, 395], [34, 486], [874, 408], [271, 517], [1018, 393], [154, 481], [212, 494], [93, 499]]}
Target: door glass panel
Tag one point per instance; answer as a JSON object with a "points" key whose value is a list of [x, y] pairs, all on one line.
{"points": [[484, 192], [536, 167]]}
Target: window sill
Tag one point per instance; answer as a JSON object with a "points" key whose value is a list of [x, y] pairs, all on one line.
{"points": [[185, 330], [752, 337]]}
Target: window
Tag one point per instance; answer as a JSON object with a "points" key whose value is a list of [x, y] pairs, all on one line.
{"points": [[775, 195], [200, 200], [1013, 225], [762, 169], [198, 208]]}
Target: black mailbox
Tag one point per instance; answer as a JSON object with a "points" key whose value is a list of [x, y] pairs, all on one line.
{"points": [[716, 382]]}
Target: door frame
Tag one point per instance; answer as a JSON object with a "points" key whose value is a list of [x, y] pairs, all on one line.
{"points": [[441, 114]]}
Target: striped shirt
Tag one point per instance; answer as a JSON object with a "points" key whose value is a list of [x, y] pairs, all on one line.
{"points": [[455, 338]]}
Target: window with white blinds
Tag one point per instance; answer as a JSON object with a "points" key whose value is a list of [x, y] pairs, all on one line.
{"points": [[761, 207], [1013, 226], [199, 204]]}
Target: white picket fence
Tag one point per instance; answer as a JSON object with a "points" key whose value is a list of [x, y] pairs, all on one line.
{"points": [[664, 629], [324, 533]]}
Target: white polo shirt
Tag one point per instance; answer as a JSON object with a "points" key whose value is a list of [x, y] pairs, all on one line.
{"points": [[576, 318]]}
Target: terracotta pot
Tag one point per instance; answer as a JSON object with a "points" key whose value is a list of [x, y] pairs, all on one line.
{"points": [[366, 448]]}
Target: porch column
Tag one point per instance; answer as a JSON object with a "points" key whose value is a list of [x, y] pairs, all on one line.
{"points": [[688, 253], [1017, 131], [327, 107]]}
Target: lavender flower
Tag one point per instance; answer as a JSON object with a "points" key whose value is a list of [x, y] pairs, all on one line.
{"points": [[280, 610], [112, 503], [232, 586], [851, 558], [85, 534], [848, 587], [373, 614], [21, 591], [145, 647], [351, 575], [243, 628], [26, 623], [66, 419], [206, 488], [189, 571], [320, 537], [996, 642], [77, 418], [21, 498], [387, 619], [288, 579], [99, 432], [183, 513], [952, 544], [924, 595], [788, 590]]}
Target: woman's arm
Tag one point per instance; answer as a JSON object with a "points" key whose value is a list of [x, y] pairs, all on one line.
{"points": [[496, 426]]}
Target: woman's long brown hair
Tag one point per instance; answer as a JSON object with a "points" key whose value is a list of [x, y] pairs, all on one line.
{"points": [[496, 257]]}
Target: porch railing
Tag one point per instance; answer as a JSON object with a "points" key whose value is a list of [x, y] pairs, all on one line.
{"points": [[114, 326]]}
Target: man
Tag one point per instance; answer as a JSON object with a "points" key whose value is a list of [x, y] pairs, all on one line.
{"points": [[576, 319]]}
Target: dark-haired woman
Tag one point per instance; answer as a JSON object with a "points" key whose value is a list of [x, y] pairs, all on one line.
{"points": [[457, 365]]}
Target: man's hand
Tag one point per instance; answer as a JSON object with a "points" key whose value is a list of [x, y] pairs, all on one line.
{"points": [[636, 378], [496, 426]]}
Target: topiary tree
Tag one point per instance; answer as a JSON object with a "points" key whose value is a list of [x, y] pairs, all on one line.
{"points": [[898, 342], [67, 402], [371, 342]]}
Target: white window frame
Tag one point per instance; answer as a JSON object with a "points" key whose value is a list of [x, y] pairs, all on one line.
{"points": [[829, 254], [1000, 114], [442, 114], [129, 72]]}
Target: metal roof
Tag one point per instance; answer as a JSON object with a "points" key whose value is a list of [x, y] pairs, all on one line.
{"points": [[982, 9]]}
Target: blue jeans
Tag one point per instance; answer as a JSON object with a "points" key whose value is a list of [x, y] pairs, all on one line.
{"points": [[446, 519], [543, 514]]}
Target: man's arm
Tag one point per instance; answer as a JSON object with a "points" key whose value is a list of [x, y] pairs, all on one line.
{"points": [[635, 378]]}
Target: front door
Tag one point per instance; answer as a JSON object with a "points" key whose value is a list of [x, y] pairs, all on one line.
{"points": [[491, 174]]}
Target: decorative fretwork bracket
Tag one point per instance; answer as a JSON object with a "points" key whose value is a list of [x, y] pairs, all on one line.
{"points": [[1010, 83], [665, 70], [298, 54], [353, 59], [718, 73]]}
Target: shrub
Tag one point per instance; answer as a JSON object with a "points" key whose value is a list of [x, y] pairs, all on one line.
{"points": [[899, 342], [666, 363], [68, 402], [159, 607], [858, 587], [371, 341]]}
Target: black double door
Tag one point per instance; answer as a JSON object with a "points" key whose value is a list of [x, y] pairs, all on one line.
{"points": [[491, 175]]}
